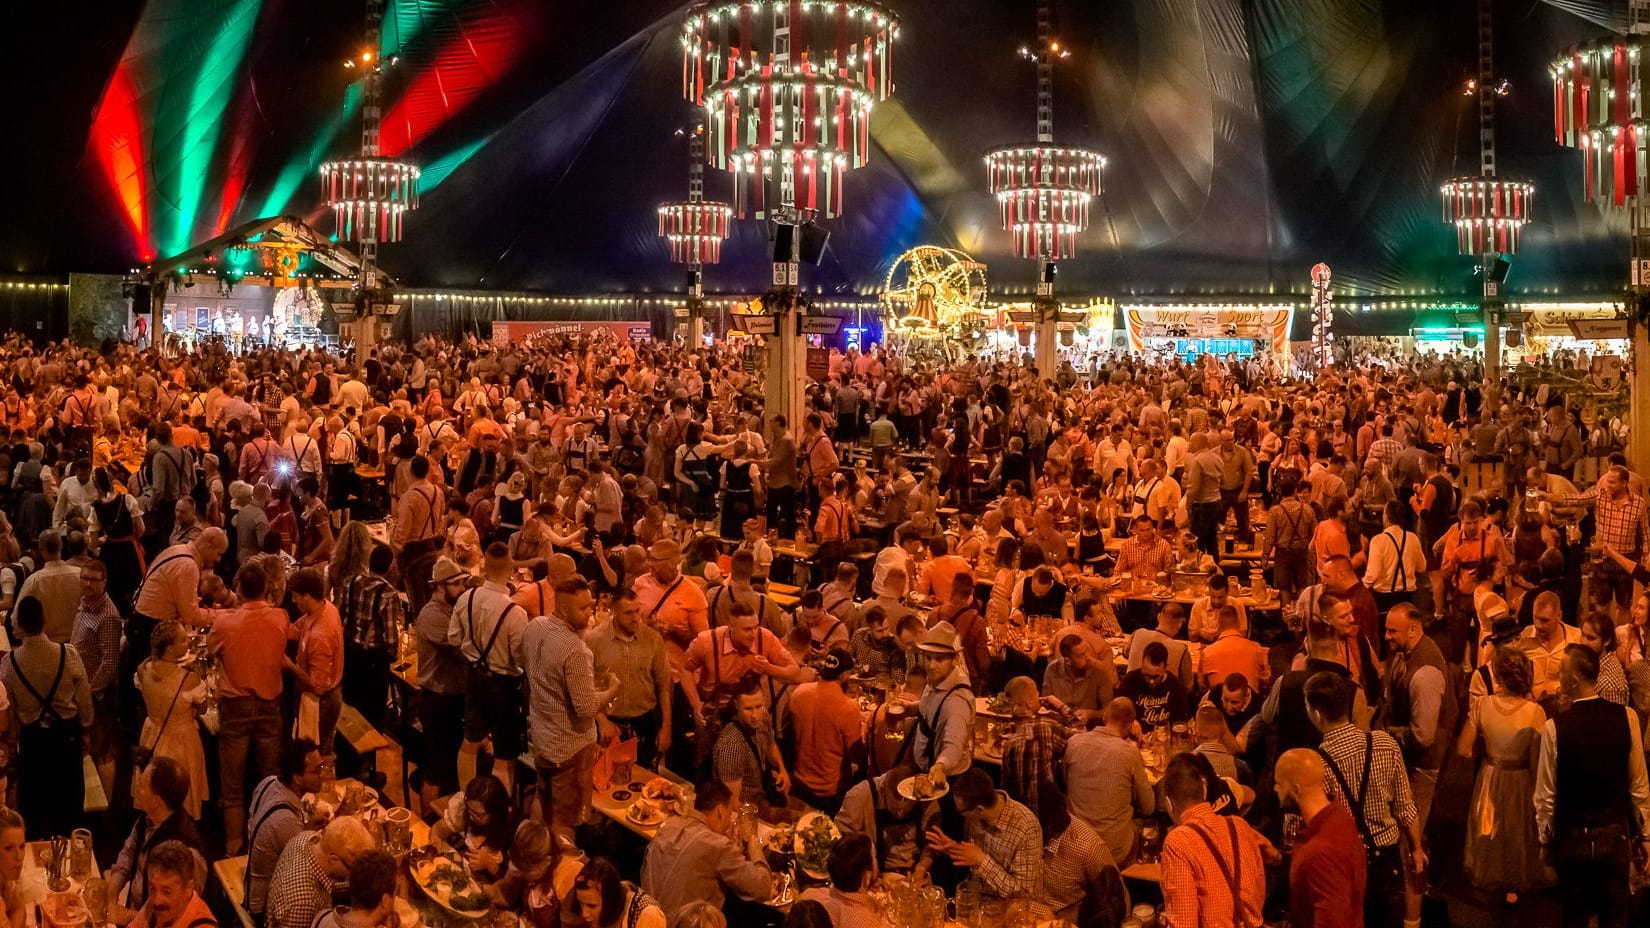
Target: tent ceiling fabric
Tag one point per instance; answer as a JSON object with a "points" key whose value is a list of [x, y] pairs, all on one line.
{"points": [[1247, 140]]}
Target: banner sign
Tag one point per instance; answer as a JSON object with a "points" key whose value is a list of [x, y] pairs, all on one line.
{"points": [[509, 333]]}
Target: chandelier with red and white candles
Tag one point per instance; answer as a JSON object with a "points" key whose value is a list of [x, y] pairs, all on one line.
{"points": [[787, 88], [1044, 190], [695, 228], [1488, 213], [1598, 108], [370, 195]]}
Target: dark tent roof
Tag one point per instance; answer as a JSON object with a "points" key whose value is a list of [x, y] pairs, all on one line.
{"points": [[1248, 139]]}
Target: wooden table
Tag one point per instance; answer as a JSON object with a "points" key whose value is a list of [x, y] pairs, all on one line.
{"points": [[1150, 873], [31, 883], [231, 871], [1188, 597]]}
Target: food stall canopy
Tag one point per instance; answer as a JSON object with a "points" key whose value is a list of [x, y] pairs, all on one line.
{"points": [[1247, 140]]}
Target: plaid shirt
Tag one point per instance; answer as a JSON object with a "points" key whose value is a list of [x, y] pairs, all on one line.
{"points": [[1197, 891], [1071, 864], [734, 761], [1624, 526], [97, 638], [1013, 846], [299, 889], [1388, 804], [1030, 756], [1137, 559], [1385, 450], [371, 612]]}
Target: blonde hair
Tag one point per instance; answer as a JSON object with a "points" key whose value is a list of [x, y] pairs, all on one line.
{"points": [[700, 914]]}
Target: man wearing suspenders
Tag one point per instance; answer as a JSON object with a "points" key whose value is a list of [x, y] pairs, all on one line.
{"points": [[1397, 561], [487, 628], [275, 815], [417, 538]]}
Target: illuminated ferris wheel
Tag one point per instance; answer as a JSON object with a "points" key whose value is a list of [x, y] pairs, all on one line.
{"points": [[932, 291]]}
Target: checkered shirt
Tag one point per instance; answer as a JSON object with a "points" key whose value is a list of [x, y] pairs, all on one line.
{"points": [[1030, 756], [1388, 804], [1196, 891], [1071, 864], [1013, 846], [298, 889]]}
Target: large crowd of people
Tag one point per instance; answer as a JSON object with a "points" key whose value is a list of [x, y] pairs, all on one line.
{"points": [[1200, 636]]}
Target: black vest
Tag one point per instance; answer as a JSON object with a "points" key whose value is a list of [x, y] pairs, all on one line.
{"points": [[1050, 604], [1590, 782], [1294, 726], [1398, 711]]}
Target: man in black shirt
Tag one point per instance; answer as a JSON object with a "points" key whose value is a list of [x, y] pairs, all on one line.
{"points": [[1158, 697]]}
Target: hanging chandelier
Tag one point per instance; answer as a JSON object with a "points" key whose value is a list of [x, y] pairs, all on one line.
{"points": [[370, 196], [1488, 214], [1044, 190], [788, 89], [1597, 108], [1044, 193], [695, 230]]}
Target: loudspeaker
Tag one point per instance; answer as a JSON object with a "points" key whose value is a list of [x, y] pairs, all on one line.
{"points": [[1498, 270], [1048, 272], [143, 300], [814, 240], [782, 239]]}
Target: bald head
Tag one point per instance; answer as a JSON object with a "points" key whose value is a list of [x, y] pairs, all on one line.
{"points": [[1298, 770], [345, 838], [562, 567], [1120, 713]]}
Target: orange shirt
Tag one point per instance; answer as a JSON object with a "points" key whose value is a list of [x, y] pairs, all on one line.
{"points": [[938, 576], [536, 598], [249, 641], [680, 616], [1232, 653], [825, 719], [727, 665]]}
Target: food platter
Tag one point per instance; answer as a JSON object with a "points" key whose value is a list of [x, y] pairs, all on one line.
{"points": [[447, 881], [645, 813], [921, 788], [815, 836]]}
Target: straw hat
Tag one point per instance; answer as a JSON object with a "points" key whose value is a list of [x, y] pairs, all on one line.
{"points": [[941, 639], [240, 491], [445, 569]]}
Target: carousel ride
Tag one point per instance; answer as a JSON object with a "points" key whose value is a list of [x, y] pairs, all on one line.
{"points": [[933, 301]]}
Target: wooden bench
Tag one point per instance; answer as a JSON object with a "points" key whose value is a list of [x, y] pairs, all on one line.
{"points": [[231, 874], [363, 739], [96, 799]]}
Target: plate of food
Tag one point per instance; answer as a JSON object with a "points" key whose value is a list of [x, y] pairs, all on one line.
{"points": [[816, 835], [999, 704], [645, 813], [446, 880], [922, 788], [660, 789]]}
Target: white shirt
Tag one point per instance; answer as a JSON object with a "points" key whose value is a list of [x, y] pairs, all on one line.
{"points": [[305, 452], [73, 498], [1388, 572], [475, 614], [887, 559], [1174, 454]]}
